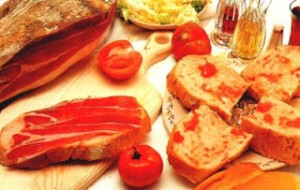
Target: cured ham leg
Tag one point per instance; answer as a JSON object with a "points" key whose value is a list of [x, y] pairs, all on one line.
{"points": [[46, 57], [88, 129]]}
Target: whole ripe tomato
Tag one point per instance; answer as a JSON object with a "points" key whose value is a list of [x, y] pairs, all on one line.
{"points": [[190, 38], [119, 60], [140, 166]]}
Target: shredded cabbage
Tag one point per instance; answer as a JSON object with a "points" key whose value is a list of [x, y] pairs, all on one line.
{"points": [[162, 11]]}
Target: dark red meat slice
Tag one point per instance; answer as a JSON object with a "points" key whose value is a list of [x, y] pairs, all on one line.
{"points": [[39, 60], [71, 122]]}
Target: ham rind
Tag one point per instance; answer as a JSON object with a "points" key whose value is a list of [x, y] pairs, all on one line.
{"points": [[89, 129], [23, 22], [42, 61]]}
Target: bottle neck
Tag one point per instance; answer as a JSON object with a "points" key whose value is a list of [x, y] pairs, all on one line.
{"points": [[254, 4]]}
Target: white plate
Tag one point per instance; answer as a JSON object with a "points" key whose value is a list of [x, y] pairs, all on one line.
{"points": [[173, 111], [152, 26]]}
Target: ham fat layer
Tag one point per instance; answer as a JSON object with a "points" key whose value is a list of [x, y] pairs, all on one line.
{"points": [[47, 58]]}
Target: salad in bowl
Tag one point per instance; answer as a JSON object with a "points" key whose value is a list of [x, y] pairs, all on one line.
{"points": [[161, 14]]}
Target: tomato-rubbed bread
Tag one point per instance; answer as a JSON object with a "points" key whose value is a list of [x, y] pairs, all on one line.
{"points": [[202, 143], [275, 74], [275, 126], [197, 80]]}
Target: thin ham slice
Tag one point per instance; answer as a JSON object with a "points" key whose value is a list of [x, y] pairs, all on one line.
{"points": [[86, 129], [43, 59]]}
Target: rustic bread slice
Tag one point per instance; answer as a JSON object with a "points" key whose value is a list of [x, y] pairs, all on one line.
{"points": [[197, 80], [276, 74], [202, 143], [231, 177], [83, 129], [275, 126]]}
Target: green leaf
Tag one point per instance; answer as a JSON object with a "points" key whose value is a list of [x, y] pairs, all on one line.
{"points": [[198, 5]]}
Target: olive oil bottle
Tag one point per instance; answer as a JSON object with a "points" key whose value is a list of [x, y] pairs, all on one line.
{"points": [[250, 33]]}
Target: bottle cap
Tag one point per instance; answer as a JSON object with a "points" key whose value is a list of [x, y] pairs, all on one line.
{"points": [[278, 28]]}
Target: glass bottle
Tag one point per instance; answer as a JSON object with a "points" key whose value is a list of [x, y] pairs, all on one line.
{"points": [[295, 25], [276, 37], [228, 13], [250, 33], [264, 5]]}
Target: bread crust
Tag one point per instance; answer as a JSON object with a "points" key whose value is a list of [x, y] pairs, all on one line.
{"points": [[94, 149], [273, 144], [192, 173], [186, 98]]}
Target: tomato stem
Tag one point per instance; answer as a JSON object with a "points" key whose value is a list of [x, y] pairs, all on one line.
{"points": [[136, 154]]}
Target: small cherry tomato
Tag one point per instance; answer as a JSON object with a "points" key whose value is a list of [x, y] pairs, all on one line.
{"points": [[190, 38], [119, 60], [140, 166]]}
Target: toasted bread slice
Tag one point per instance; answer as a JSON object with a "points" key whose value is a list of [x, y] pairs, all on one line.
{"points": [[198, 80], [202, 143], [275, 74], [275, 126]]}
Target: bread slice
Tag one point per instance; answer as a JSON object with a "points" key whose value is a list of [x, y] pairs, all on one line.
{"points": [[197, 80], [248, 176], [83, 129], [275, 74], [202, 143], [275, 126], [231, 177]]}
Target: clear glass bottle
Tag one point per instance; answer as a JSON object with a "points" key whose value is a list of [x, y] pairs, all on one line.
{"points": [[228, 12], [250, 33], [264, 5]]}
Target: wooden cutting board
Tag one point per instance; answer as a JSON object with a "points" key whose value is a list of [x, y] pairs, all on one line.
{"points": [[83, 80]]}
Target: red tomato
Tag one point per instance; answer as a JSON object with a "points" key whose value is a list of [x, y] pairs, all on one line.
{"points": [[190, 38], [140, 166], [119, 60]]}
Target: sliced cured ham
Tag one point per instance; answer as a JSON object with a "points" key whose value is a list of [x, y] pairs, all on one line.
{"points": [[84, 129], [56, 35]]}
